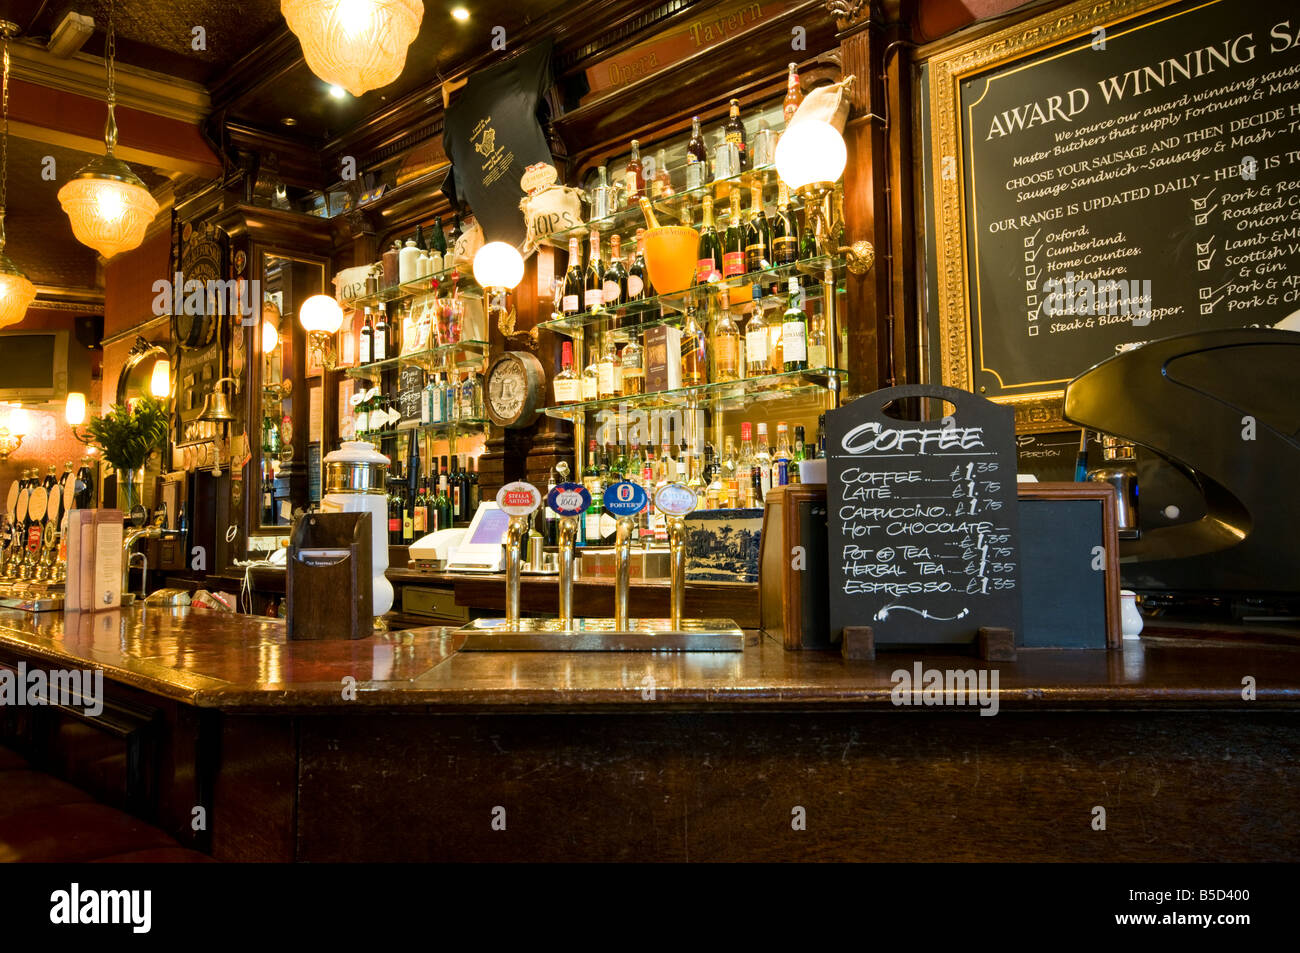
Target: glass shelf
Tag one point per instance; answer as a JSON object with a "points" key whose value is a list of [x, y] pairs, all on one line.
{"points": [[729, 395], [634, 317], [461, 279], [672, 209], [446, 427], [461, 354]]}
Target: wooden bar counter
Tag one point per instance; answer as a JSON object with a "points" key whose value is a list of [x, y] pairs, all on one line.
{"points": [[399, 747]]}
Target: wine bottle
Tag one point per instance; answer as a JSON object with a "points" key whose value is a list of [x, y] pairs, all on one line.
{"points": [[638, 279], [758, 241], [735, 133], [633, 177], [568, 389], [379, 339], [697, 157], [571, 303], [615, 289], [708, 265], [594, 280], [733, 244], [785, 232], [367, 332]]}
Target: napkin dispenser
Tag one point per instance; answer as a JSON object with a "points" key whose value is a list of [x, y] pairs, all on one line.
{"points": [[329, 591], [1216, 417]]}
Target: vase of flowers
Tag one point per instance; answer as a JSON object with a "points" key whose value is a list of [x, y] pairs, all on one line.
{"points": [[127, 436]]}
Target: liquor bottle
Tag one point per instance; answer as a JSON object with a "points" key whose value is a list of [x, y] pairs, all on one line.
{"points": [[591, 474], [708, 265], [800, 454], [793, 96], [614, 289], [394, 513], [633, 175], [728, 364], [568, 389], [551, 519], [775, 323], [662, 186], [697, 157], [817, 343], [735, 132], [594, 279], [695, 352], [794, 331], [756, 336], [571, 302], [713, 490], [591, 378], [758, 239], [438, 241], [473, 488], [638, 279], [781, 462], [609, 371], [747, 467], [379, 339], [367, 331], [784, 229], [633, 360], [733, 243], [764, 461]]}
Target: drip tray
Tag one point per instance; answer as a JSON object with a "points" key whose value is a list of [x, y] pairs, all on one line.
{"points": [[601, 635]]}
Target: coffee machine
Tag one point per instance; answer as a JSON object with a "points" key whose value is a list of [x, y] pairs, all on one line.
{"points": [[1215, 418]]}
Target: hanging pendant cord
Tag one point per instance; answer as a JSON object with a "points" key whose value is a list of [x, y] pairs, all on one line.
{"points": [[110, 55], [4, 150]]}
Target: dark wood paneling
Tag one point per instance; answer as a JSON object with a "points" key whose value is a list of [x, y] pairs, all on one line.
{"points": [[252, 812]]}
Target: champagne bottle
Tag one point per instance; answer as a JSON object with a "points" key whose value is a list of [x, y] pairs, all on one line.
{"points": [[733, 249], [708, 266], [594, 280], [571, 303], [758, 251], [784, 230]]}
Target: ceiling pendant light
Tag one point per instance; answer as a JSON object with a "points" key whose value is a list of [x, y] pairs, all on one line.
{"points": [[357, 44], [16, 292], [108, 204]]}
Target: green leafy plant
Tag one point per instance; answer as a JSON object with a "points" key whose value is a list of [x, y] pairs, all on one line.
{"points": [[128, 435]]}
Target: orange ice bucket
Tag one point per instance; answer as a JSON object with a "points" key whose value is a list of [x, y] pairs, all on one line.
{"points": [[671, 252]]}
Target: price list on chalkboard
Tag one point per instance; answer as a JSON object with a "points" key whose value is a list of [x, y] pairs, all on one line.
{"points": [[410, 392], [922, 522]]}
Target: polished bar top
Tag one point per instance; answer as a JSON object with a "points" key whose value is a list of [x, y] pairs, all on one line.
{"points": [[238, 662]]}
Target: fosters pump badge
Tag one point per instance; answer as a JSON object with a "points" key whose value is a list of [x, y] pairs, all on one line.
{"points": [[519, 498], [625, 499], [569, 499]]}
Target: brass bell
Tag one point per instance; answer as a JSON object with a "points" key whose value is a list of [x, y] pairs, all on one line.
{"points": [[215, 405]]}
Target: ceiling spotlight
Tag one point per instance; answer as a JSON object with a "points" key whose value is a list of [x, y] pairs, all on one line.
{"points": [[338, 92], [460, 13]]}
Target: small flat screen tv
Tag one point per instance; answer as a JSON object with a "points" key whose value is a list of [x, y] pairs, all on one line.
{"points": [[33, 366]]}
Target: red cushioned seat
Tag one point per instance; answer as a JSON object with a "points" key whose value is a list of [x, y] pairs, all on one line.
{"points": [[23, 790], [73, 833]]}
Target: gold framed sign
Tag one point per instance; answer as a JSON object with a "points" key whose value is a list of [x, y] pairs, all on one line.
{"points": [[1106, 174]]}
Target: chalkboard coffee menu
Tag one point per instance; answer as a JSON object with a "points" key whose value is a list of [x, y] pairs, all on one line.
{"points": [[1122, 174], [410, 393], [922, 519]]}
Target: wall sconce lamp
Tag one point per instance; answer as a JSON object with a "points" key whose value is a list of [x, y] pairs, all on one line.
{"points": [[160, 382], [12, 432], [498, 269], [74, 409], [810, 158], [321, 317]]}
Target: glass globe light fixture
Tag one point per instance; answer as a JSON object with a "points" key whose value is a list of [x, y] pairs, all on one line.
{"points": [[356, 44], [498, 265], [74, 409], [321, 317], [811, 153], [160, 382], [16, 292], [108, 205]]}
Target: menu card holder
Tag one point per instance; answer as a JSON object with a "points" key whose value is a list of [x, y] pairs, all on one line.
{"points": [[329, 591], [792, 566]]}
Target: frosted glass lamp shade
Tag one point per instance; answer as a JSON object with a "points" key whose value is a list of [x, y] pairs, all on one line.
{"points": [[160, 384], [74, 410], [270, 337], [16, 293], [810, 151], [498, 265], [109, 215], [321, 314], [357, 44]]}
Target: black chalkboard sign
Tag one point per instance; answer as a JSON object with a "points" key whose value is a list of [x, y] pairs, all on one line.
{"points": [[1109, 179], [1063, 580], [410, 392], [922, 521]]}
